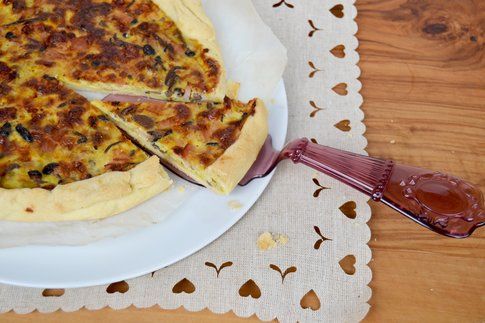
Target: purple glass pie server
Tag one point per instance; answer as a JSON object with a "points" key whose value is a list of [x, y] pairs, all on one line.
{"points": [[439, 202]]}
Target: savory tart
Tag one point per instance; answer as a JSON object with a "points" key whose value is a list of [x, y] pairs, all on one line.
{"points": [[163, 48], [213, 143], [61, 159]]}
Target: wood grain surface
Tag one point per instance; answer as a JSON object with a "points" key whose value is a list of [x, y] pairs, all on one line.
{"points": [[423, 75]]}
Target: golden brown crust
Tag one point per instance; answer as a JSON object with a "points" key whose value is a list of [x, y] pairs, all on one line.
{"points": [[192, 21], [233, 165], [95, 198]]}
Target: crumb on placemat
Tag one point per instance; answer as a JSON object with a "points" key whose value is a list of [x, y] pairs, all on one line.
{"points": [[268, 241]]}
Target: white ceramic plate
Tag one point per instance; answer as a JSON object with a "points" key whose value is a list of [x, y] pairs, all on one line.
{"points": [[202, 219]]}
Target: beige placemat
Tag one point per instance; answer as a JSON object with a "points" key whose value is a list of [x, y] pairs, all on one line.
{"points": [[321, 273]]}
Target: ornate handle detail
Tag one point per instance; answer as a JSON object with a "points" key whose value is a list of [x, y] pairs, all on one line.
{"points": [[442, 203]]}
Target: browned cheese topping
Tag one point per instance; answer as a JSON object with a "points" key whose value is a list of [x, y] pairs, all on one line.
{"points": [[130, 43], [198, 132], [50, 135]]}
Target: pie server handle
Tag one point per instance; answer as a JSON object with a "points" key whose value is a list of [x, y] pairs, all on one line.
{"points": [[443, 203]]}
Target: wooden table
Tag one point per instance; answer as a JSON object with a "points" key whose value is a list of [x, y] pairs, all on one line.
{"points": [[423, 78]]}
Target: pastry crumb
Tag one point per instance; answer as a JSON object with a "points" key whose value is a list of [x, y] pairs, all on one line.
{"points": [[181, 189], [235, 205], [282, 239], [392, 142], [268, 241]]}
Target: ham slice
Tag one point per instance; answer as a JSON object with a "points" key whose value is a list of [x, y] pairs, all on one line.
{"points": [[129, 98]]}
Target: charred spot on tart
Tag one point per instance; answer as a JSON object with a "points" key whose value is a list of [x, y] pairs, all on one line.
{"points": [[10, 35], [103, 118], [226, 137], [92, 121], [82, 138], [178, 150], [7, 73], [35, 176], [119, 166], [172, 77], [8, 114], [189, 53], [49, 168], [73, 116], [213, 67], [56, 38], [129, 110], [148, 50], [159, 134], [144, 121], [4, 89], [24, 133], [46, 85], [6, 129], [97, 139], [211, 114]]}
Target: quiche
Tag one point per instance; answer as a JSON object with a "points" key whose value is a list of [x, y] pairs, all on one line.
{"points": [[62, 159], [162, 48], [213, 143]]}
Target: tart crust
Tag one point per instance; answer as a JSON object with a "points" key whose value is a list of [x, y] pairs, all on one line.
{"points": [[95, 198], [232, 166]]}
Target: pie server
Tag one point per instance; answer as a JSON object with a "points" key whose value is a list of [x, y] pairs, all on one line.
{"points": [[440, 202]]}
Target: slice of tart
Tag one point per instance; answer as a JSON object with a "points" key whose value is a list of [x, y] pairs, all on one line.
{"points": [[61, 159], [213, 143], [164, 49]]}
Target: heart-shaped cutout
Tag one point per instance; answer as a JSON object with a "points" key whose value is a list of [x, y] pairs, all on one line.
{"points": [[348, 264], [344, 126], [53, 292], [341, 89], [310, 301], [337, 11], [118, 287], [338, 51], [349, 209], [250, 288], [183, 286]]}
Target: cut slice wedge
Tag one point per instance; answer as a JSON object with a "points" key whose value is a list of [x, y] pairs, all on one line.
{"points": [[213, 143]]}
